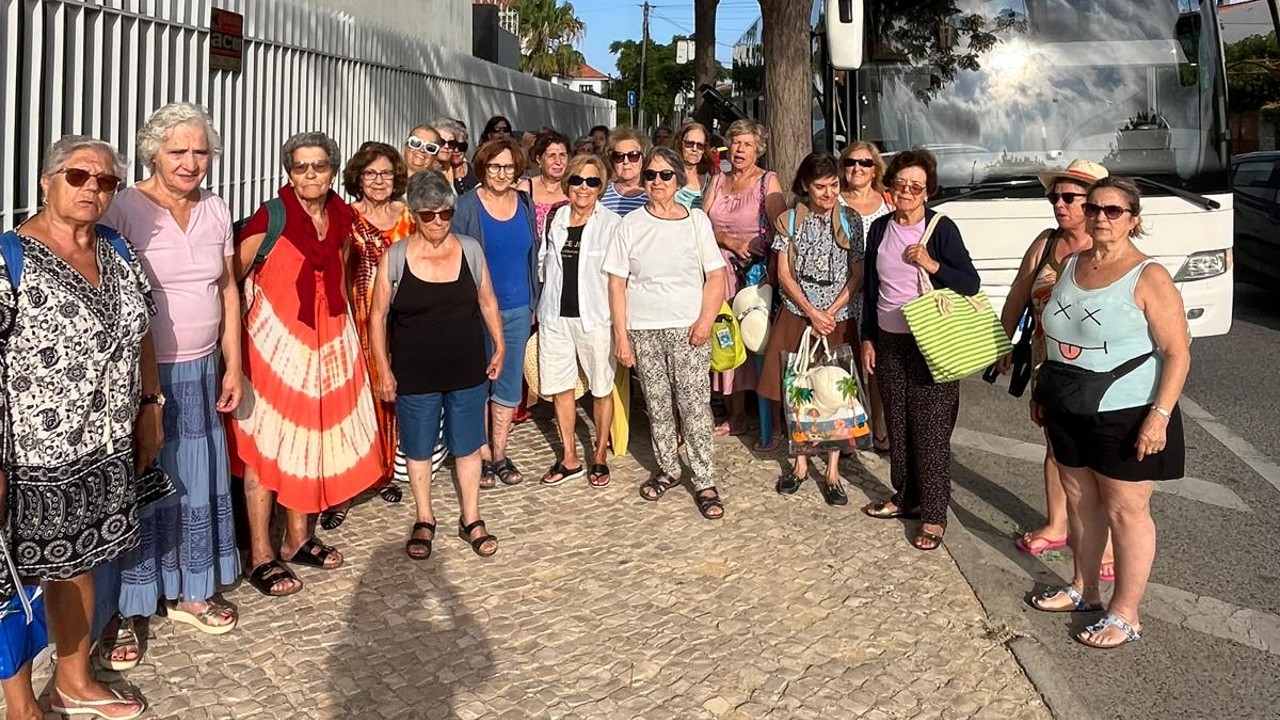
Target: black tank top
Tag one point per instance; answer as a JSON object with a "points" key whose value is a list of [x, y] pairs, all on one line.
{"points": [[435, 334]]}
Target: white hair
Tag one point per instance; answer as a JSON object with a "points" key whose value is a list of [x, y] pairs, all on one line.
{"points": [[55, 158], [162, 122]]}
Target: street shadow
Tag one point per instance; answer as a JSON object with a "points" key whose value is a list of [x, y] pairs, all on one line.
{"points": [[1012, 507], [1257, 305]]}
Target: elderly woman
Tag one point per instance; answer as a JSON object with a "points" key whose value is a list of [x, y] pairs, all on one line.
{"points": [[1066, 191], [551, 154], [743, 205], [307, 433], [600, 136], [574, 326], [691, 143], [625, 154], [862, 188], [429, 349], [1112, 415], [81, 412], [422, 150], [663, 306], [498, 127], [184, 241], [453, 154], [502, 221], [820, 246], [921, 413]]}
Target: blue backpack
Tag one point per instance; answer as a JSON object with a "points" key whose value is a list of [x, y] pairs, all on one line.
{"points": [[11, 250]]}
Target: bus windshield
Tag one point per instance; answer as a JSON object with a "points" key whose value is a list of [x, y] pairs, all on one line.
{"points": [[1000, 90]]}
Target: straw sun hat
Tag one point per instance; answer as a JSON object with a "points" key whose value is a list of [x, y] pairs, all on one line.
{"points": [[1086, 172], [531, 372]]}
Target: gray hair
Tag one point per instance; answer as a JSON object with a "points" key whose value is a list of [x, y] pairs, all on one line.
{"points": [[673, 159], [162, 122], [310, 139], [444, 123], [429, 190], [55, 158]]}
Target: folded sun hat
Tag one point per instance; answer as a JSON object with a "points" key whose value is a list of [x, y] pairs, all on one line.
{"points": [[531, 372], [1082, 171], [751, 307]]}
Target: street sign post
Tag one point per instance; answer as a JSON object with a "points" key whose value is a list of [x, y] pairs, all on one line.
{"points": [[631, 99]]}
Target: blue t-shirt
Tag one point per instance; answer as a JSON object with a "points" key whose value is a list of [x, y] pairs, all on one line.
{"points": [[507, 244]]}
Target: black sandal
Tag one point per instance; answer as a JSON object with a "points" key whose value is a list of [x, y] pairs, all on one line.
{"points": [[488, 480], [788, 484], [881, 511], [477, 545], [391, 492], [266, 576], [313, 553], [333, 519], [561, 474], [507, 472], [706, 503], [833, 494], [424, 543], [599, 476], [657, 487]]}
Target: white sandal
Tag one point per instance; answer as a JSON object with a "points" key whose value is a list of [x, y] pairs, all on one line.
{"points": [[90, 708], [124, 637], [201, 620]]}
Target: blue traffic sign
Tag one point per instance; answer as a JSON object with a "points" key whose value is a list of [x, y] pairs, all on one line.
{"points": [[631, 98]]}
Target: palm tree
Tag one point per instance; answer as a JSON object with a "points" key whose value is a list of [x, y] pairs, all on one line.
{"points": [[548, 30]]}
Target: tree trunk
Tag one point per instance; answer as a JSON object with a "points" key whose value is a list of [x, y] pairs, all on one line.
{"points": [[788, 84], [704, 64]]}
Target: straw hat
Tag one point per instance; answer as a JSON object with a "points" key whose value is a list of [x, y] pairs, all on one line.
{"points": [[1081, 171], [531, 372], [751, 306]]}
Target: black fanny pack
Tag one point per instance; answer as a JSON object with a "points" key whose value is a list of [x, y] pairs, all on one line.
{"points": [[1073, 390]]}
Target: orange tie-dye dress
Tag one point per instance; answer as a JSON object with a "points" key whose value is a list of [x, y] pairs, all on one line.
{"points": [[306, 426]]}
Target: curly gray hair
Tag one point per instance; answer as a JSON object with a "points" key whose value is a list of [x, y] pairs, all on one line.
{"points": [[429, 190], [55, 158], [455, 129], [162, 122], [310, 139]]}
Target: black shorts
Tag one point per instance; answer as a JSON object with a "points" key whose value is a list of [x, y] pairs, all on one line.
{"points": [[1104, 443]]}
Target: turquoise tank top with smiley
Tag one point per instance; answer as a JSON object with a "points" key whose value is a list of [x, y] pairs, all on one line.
{"points": [[1100, 330]]}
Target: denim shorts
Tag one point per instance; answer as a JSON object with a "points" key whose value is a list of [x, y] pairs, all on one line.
{"points": [[508, 389], [419, 419]]}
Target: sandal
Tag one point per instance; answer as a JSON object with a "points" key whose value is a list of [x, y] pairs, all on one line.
{"points": [[69, 706], [881, 511], [488, 480], [1106, 575], [422, 546], [880, 444], [769, 446], [124, 639], [268, 575], [333, 519], [788, 484], [560, 474], [1130, 633], [1027, 544], [313, 553], [707, 503], [599, 476], [833, 493], [477, 544], [927, 541], [1076, 602], [391, 492], [657, 486], [507, 472], [204, 620]]}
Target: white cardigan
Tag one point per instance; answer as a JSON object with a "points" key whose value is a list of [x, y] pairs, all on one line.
{"points": [[593, 283]]}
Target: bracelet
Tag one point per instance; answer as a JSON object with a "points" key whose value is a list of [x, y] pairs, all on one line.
{"points": [[1167, 415]]}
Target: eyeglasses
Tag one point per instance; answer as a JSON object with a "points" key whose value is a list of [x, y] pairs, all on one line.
{"points": [[429, 216], [76, 177], [502, 129], [318, 166], [1067, 198], [694, 145], [455, 145], [372, 175], [591, 182], [1113, 212], [651, 175], [908, 187], [859, 162], [416, 143], [632, 157], [500, 169]]}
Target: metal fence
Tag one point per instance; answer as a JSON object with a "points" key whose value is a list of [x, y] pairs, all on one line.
{"points": [[101, 67]]}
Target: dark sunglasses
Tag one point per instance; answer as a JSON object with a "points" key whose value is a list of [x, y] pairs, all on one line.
{"points": [[502, 129], [1113, 212], [860, 162], [456, 145], [77, 177], [634, 156], [429, 216], [592, 182], [694, 145], [651, 175], [319, 166], [1067, 198]]}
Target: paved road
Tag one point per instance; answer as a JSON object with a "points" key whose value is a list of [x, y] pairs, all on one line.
{"points": [[1211, 646]]}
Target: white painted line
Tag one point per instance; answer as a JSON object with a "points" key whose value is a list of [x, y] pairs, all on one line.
{"points": [[1238, 446]]}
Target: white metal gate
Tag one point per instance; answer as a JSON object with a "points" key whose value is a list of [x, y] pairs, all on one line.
{"points": [[101, 67]]}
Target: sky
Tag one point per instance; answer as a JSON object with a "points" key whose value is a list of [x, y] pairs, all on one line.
{"points": [[609, 20]]}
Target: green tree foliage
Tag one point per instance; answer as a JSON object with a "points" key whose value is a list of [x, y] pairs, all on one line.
{"points": [[1253, 73], [662, 82], [548, 30]]}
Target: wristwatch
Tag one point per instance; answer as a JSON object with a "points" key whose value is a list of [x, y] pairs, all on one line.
{"points": [[157, 399]]}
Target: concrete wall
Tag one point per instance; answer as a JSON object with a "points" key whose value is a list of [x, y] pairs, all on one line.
{"points": [[1241, 20], [445, 23]]}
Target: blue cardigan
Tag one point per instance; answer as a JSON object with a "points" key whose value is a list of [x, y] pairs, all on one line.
{"points": [[955, 271], [466, 221]]}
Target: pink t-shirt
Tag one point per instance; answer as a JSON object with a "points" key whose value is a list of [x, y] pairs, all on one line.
{"points": [[184, 268], [899, 280]]}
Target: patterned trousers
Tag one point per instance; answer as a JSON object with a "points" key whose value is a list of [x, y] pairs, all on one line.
{"points": [[674, 374], [921, 415]]}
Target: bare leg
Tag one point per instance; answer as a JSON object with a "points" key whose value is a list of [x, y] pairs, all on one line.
{"points": [[1088, 523], [833, 468], [1128, 510], [602, 415], [800, 466], [567, 420], [258, 505], [69, 604], [1056, 525], [468, 469], [19, 698], [420, 486], [501, 430]]}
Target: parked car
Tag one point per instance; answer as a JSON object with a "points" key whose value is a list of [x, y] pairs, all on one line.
{"points": [[1255, 184]]}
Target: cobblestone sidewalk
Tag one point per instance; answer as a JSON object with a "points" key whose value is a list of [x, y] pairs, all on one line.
{"points": [[602, 605]]}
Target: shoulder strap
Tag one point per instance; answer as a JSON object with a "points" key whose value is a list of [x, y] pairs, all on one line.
{"points": [[844, 222], [474, 255], [275, 228], [395, 264], [791, 224], [118, 243], [11, 250], [928, 230]]}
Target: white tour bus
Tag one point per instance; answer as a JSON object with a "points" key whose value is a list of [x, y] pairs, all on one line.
{"points": [[1000, 90]]}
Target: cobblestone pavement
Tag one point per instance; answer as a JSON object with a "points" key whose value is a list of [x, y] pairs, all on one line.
{"points": [[602, 605]]}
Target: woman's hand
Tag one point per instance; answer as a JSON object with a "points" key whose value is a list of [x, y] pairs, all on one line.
{"points": [[868, 357], [741, 247], [1151, 437], [232, 391], [386, 387], [148, 436], [823, 321], [1005, 364], [918, 256], [622, 351], [699, 332], [495, 363], [1037, 413]]}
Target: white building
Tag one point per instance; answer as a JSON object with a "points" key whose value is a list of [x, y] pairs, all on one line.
{"points": [[1243, 19], [586, 80]]}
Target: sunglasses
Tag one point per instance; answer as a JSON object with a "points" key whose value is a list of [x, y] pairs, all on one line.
{"points": [[910, 188], [502, 129], [416, 143], [77, 178], [456, 145], [1067, 198], [318, 166], [591, 182], [651, 175], [500, 169], [1113, 212], [859, 162], [632, 157], [429, 216], [694, 145]]}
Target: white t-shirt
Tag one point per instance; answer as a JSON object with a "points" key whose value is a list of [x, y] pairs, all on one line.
{"points": [[659, 258]]}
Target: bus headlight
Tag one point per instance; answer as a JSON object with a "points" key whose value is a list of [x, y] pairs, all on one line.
{"points": [[1202, 265]]}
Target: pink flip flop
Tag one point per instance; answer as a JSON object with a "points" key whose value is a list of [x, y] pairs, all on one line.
{"points": [[1025, 547], [1108, 576]]}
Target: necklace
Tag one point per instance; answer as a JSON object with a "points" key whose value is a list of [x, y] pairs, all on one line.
{"points": [[554, 189]]}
